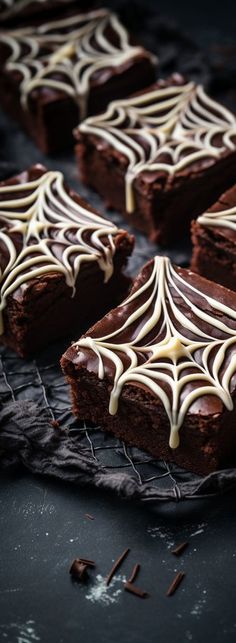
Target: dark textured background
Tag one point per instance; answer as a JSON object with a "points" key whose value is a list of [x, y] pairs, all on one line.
{"points": [[43, 524]]}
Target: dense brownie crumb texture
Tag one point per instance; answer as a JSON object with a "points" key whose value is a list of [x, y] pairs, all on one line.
{"points": [[160, 148], [73, 66], [163, 362], [214, 241], [53, 248]]}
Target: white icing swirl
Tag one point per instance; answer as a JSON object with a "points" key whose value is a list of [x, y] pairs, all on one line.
{"points": [[221, 219], [165, 129], [65, 55], [43, 230], [178, 351]]}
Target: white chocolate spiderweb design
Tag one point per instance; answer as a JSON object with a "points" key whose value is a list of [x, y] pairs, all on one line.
{"points": [[164, 130], [66, 55], [43, 230], [225, 218], [177, 350]]}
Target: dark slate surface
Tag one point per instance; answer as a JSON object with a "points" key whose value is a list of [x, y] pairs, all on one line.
{"points": [[43, 528], [43, 524]]}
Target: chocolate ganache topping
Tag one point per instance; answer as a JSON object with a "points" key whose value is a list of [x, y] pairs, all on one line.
{"points": [[172, 338], [172, 126], [69, 55], [44, 230]]}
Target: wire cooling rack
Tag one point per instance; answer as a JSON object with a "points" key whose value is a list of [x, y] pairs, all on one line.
{"points": [[34, 397], [105, 460]]}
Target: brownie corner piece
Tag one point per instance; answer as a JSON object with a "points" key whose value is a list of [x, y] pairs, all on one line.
{"points": [[160, 148], [62, 264], [67, 69], [214, 241], [156, 373]]}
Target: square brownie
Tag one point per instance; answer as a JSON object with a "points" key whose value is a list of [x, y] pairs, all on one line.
{"points": [[54, 74], [160, 157], [61, 263], [159, 371], [214, 241]]}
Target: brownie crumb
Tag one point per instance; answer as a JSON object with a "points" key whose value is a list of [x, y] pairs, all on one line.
{"points": [[55, 424]]}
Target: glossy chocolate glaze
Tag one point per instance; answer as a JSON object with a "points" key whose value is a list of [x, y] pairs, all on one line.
{"points": [[176, 330], [45, 228], [167, 132], [69, 57]]}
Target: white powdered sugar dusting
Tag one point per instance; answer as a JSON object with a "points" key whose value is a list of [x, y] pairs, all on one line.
{"points": [[23, 632], [198, 607], [103, 594], [169, 537], [163, 533]]}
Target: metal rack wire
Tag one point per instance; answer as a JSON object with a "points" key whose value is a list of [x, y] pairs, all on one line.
{"points": [[42, 381]]}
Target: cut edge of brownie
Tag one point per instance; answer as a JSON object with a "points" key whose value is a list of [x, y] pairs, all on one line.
{"points": [[207, 442], [207, 436], [158, 197], [214, 246], [58, 313], [51, 115], [158, 205]]}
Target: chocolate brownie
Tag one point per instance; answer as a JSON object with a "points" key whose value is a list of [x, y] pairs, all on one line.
{"points": [[159, 371], [53, 75], [160, 157], [214, 241], [61, 263]]}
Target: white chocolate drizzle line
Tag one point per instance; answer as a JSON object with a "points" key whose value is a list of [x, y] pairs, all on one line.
{"points": [[56, 235], [80, 47], [221, 219], [196, 345], [180, 121]]}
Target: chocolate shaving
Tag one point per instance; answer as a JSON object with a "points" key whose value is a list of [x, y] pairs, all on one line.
{"points": [[55, 424], [134, 573], [130, 587], [86, 561], [89, 516], [179, 549], [78, 570], [175, 583], [116, 565]]}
